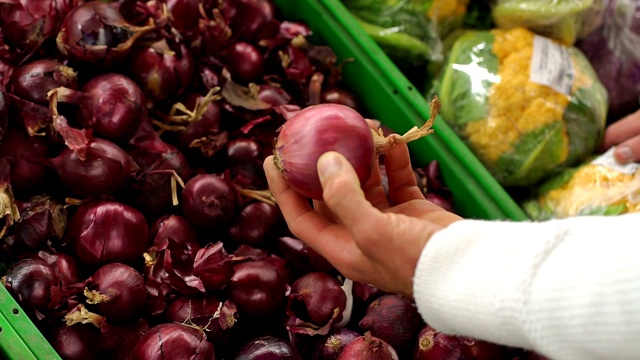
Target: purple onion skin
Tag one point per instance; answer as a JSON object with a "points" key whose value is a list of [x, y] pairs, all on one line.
{"points": [[66, 266], [312, 132], [161, 72], [41, 218], [319, 294], [302, 256], [75, 342], [257, 289], [268, 348], [106, 170], [207, 125], [32, 280], [368, 347], [242, 150], [209, 201], [173, 341], [244, 61], [184, 12], [125, 288], [432, 344], [394, 319], [102, 232], [34, 80], [4, 112], [116, 108], [339, 96], [330, 347], [255, 224], [175, 227], [27, 156], [120, 339]]}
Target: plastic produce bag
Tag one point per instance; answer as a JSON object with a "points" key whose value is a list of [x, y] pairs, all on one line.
{"points": [[563, 20], [525, 105], [409, 31], [614, 51], [597, 187]]}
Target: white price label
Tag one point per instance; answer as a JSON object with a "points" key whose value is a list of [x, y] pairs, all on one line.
{"points": [[551, 65]]}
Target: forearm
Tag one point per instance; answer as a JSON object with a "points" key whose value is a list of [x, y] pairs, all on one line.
{"points": [[568, 289]]}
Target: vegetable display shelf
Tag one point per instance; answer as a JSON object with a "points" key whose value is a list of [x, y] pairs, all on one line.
{"points": [[387, 96], [390, 97]]}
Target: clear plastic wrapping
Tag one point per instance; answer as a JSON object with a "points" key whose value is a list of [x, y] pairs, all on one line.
{"points": [[598, 187], [563, 20], [524, 104]]}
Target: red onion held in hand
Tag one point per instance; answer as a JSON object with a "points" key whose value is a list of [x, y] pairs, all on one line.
{"points": [[75, 342], [331, 127], [34, 283], [331, 346], [103, 231], [34, 80], [161, 71], [257, 289], [368, 347], [209, 201], [302, 256], [436, 345], [173, 341], [317, 298], [268, 347], [117, 291], [96, 32], [392, 318], [105, 169]]}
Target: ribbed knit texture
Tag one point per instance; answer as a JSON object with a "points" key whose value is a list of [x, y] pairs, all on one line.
{"points": [[568, 289]]}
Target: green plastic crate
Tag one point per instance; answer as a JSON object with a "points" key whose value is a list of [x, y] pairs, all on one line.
{"points": [[391, 98], [388, 96]]}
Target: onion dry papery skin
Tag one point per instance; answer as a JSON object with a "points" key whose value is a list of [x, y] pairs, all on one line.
{"points": [[97, 33], [117, 291], [75, 342], [317, 129], [105, 168], [162, 71], [394, 319], [209, 201], [433, 344], [27, 156], [173, 341], [42, 218], [175, 227], [268, 347], [366, 293], [103, 231], [368, 347], [257, 289], [255, 224], [331, 346], [213, 266], [66, 266], [205, 312], [34, 80], [34, 283], [317, 298]]}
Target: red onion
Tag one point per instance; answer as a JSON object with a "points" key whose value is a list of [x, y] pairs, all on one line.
{"points": [[213, 267], [436, 345], [268, 347], [120, 339], [209, 201], [103, 169], [173, 341], [368, 347], [250, 17], [272, 95], [317, 298], [183, 15], [117, 291], [331, 127], [4, 113], [257, 289], [161, 71], [111, 104], [331, 346], [95, 32], [244, 61], [102, 232], [175, 227], [255, 224], [34, 283], [34, 80], [66, 266], [75, 342], [27, 156], [302, 256], [206, 312], [339, 96], [241, 150], [41, 218], [366, 293], [394, 319], [483, 350]]}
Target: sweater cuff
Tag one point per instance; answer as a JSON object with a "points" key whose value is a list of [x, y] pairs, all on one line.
{"points": [[471, 278]]}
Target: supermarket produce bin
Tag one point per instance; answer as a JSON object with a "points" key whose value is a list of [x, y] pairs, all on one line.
{"points": [[387, 96]]}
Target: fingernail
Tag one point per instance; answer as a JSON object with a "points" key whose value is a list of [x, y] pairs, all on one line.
{"points": [[624, 154], [328, 164]]}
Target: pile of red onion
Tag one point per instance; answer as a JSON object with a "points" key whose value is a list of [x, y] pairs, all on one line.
{"points": [[137, 219]]}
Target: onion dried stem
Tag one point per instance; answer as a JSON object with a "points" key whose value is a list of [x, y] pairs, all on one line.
{"points": [[95, 297]]}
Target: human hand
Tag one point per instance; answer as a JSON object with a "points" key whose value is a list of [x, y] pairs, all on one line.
{"points": [[625, 135], [366, 236]]}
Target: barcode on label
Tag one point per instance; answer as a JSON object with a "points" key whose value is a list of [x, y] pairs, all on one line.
{"points": [[551, 65]]}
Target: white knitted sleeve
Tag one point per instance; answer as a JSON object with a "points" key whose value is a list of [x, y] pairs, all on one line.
{"points": [[569, 289]]}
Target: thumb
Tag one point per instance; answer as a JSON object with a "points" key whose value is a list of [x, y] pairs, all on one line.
{"points": [[342, 191]]}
